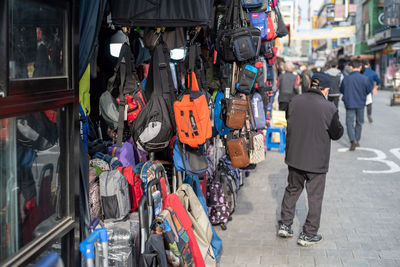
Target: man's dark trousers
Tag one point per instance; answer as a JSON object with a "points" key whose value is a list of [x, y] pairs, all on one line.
{"points": [[352, 115], [315, 187]]}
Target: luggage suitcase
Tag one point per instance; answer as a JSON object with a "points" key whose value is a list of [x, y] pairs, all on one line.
{"points": [[126, 238], [88, 250]]}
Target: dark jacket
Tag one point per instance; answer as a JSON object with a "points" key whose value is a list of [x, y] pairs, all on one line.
{"points": [[355, 88], [287, 86], [372, 76], [336, 76], [312, 122]]}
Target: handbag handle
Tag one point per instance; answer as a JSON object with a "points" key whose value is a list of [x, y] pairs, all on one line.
{"points": [[251, 113]]}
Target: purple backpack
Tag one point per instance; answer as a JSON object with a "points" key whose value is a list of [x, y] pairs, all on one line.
{"points": [[128, 154], [124, 153], [258, 121]]}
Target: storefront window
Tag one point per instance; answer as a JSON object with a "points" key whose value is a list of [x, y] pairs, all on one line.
{"points": [[30, 188], [37, 40]]}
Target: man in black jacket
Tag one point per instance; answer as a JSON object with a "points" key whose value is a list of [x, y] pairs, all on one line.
{"points": [[312, 121]]}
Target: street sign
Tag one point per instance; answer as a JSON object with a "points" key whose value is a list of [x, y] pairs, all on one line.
{"points": [[324, 33]]}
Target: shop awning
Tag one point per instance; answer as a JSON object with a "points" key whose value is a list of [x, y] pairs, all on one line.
{"points": [[377, 48]]}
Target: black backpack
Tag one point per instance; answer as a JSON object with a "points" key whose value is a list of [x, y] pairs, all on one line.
{"points": [[153, 128], [335, 84]]}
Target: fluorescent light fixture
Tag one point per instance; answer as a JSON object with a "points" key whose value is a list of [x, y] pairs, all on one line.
{"points": [[116, 42], [115, 49], [178, 54]]}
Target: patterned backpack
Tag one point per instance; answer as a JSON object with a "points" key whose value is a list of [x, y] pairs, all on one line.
{"points": [[94, 195], [218, 206]]}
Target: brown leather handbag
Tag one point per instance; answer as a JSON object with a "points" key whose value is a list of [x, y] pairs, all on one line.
{"points": [[237, 151], [236, 113]]}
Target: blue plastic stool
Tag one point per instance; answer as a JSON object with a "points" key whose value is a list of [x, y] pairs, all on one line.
{"points": [[282, 139]]}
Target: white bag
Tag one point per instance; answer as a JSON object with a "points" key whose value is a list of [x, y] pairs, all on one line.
{"points": [[369, 99], [257, 151]]}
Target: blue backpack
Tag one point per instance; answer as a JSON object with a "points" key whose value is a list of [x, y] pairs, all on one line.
{"points": [[252, 3], [259, 20], [193, 161], [257, 107], [218, 121]]}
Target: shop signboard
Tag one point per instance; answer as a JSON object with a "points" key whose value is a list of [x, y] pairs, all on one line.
{"points": [[330, 11], [352, 9], [396, 46], [340, 12]]}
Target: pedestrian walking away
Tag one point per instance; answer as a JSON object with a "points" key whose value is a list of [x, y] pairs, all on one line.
{"points": [[337, 77], [355, 88], [288, 85], [374, 82], [312, 122]]}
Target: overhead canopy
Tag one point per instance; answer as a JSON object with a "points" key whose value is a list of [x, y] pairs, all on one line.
{"points": [[324, 33], [162, 13]]}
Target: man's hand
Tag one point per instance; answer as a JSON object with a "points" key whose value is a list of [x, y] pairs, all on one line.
{"points": [[375, 90]]}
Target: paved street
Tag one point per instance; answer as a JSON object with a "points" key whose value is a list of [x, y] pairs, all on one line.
{"points": [[361, 209]]}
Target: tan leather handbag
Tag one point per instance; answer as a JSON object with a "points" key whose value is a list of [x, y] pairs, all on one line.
{"points": [[236, 113], [237, 150]]}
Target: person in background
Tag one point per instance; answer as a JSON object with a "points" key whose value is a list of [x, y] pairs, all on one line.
{"points": [[312, 122], [347, 69], [305, 79], [337, 77], [355, 87], [375, 82], [288, 86]]}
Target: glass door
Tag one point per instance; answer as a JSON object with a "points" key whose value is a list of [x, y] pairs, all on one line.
{"points": [[39, 133]]}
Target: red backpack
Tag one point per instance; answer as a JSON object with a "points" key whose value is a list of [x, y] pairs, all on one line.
{"points": [[130, 92], [135, 186]]}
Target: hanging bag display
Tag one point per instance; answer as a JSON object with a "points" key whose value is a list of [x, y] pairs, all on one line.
{"points": [[153, 128], [192, 115]]}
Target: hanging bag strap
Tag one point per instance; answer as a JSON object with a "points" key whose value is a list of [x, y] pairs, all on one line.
{"points": [[228, 14], [111, 81], [125, 53], [243, 21], [252, 118], [236, 19]]}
